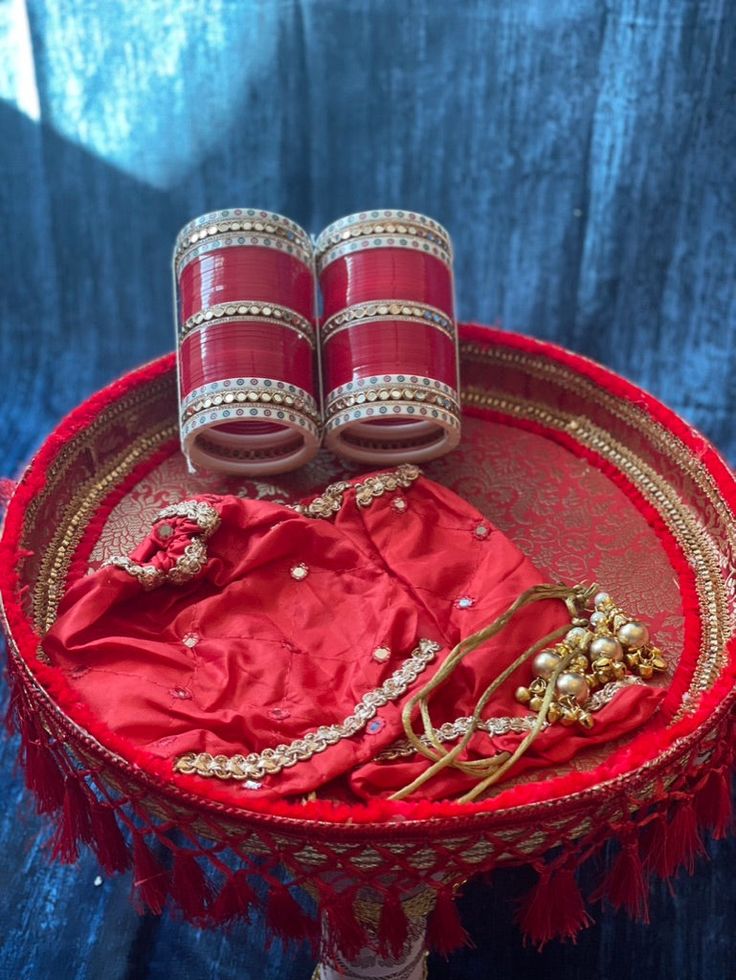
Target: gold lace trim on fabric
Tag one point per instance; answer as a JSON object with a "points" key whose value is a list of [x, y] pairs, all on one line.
{"points": [[194, 557], [269, 762], [204, 515], [450, 731], [330, 501]]}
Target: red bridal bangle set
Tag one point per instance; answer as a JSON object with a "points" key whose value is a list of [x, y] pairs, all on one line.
{"points": [[263, 381]]}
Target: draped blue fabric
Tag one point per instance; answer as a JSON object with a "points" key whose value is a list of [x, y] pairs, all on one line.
{"points": [[582, 154]]}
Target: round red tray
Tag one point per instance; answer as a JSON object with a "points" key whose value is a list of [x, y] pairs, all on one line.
{"points": [[590, 476]]}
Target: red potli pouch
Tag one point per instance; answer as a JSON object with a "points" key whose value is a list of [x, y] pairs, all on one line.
{"points": [[369, 641]]}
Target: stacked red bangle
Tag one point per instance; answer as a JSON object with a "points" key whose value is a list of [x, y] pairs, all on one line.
{"points": [[246, 342], [388, 338]]}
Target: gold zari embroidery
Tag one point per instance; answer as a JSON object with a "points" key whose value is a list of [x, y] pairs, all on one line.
{"points": [[269, 762], [194, 558]]}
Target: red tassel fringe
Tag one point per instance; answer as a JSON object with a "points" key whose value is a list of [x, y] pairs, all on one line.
{"points": [[344, 933], [43, 775], [684, 843], [285, 916], [107, 841], [150, 879], [235, 900], [653, 846], [445, 931], [553, 909], [714, 805], [190, 888], [74, 825], [393, 926], [626, 886]]}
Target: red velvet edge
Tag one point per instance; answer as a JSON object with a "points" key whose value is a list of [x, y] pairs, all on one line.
{"points": [[434, 816]]}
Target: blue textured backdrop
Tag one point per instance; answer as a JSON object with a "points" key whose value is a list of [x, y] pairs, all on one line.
{"points": [[583, 156]]}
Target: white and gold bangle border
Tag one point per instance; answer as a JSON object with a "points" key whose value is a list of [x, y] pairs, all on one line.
{"points": [[253, 413], [384, 221], [376, 311], [244, 240], [239, 219], [249, 311], [237, 396], [325, 259], [401, 410], [391, 388]]}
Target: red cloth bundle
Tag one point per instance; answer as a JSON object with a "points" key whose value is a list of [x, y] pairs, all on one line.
{"points": [[276, 646]]}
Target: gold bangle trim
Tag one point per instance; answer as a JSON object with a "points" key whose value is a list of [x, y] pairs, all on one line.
{"points": [[247, 311]]}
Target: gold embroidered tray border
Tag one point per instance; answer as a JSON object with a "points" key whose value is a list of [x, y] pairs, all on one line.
{"points": [[632, 415], [270, 762], [685, 525], [82, 505], [680, 520]]}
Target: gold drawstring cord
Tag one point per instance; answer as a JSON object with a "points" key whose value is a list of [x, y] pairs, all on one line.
{"points": [[491, 769]]}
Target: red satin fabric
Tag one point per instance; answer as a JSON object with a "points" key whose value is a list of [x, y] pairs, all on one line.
{"points": [[264, 275], [390, 347], [385, 274], [275, 658], [259, 349]]}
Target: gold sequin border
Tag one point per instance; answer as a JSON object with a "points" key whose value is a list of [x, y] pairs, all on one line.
{"points": [[192, 560], [329, 502]]}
